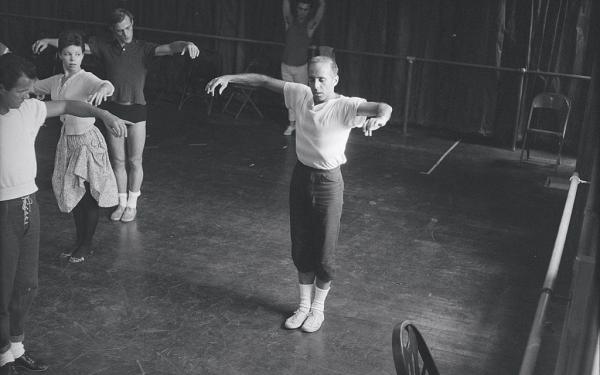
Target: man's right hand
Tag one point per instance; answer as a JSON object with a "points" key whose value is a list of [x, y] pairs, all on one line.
{"points": [[222, 81], [39, 46]]}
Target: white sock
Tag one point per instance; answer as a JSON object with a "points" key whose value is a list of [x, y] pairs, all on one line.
{"points": [[17, 349], [305, 296], [122, 199], [6, 357], [132, 199], [318, 303]]}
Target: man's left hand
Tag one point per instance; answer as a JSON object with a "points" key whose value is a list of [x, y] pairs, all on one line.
{"points": [[191, 49], [372, 124]]}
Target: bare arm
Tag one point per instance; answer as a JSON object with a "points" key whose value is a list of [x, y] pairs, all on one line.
{"points": [[82, 109], [177, 47], [287, 13], [379, 114], [312, 25], [41, 44], [247, 79]]}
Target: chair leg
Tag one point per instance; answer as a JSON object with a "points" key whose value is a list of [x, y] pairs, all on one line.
{"points": [[242, 105], [256, 108], [523, 145], [560, 146], [210, 105], [227, 102], [183, 97]]}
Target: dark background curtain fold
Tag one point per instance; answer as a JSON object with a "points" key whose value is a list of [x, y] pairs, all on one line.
{"points": [[465, 100]]}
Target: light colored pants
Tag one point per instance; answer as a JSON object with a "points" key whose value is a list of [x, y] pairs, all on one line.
{"points": [[298, 74]]}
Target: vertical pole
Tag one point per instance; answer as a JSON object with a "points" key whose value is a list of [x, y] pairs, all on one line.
{"points": [[517, 127], [410, 60]]}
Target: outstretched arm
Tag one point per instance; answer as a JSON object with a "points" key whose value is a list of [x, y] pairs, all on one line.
{"points": [[180, 47], [82, 109], [287, 13], [378, 113], [41, 44], [312, 25], [247, 79]]}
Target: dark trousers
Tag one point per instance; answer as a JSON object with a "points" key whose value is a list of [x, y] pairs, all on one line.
{"points": [[19, 256], [316, 199]]}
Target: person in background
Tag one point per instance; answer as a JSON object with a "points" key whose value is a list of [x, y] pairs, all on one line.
{"points": [[126, 60], [299, 30], [83, 180]]}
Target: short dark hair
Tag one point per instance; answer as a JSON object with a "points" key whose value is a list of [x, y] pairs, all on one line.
{"points": [[118, 15], [70, 38], [325, 59], [12, 67]]}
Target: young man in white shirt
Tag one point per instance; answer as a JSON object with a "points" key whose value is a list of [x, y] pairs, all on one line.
{"points": [[20, 121], [324, 119]]}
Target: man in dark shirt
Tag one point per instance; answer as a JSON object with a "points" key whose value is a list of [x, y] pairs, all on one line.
{"points": [[126, 60]]}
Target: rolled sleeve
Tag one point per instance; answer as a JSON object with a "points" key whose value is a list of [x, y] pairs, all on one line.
{"points": [[351, 110]]}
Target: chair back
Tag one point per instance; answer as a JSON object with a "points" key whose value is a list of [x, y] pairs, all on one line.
{"points": [[411, 354], [550, 100], [553, 102]]}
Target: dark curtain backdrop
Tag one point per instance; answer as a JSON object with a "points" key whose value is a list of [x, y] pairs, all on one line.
{"points": [[488, 32]]}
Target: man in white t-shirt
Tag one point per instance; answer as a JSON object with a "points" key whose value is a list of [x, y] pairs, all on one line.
{"points": [[20, 121], [324, 119]]}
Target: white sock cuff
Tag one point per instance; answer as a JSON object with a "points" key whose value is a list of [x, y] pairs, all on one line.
{"points": [[132, 198], [305, 295], [134, 194], [17, 349], [122, 199], [6, 357], [319, 300]]}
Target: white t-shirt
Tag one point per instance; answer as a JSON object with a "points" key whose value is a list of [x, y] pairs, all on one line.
{"points": [[322, 130], [78, 87], [18, 166]]}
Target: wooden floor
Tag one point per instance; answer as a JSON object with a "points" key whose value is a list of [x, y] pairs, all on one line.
{"points": [[201, 282]]}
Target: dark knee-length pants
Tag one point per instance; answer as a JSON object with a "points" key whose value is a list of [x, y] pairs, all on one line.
{"points": [[316, 200]]}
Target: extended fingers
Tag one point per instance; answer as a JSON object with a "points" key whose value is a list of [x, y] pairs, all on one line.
{"points": [[212, 85], [192, 50], [120, 129], [97, 98], [38, 47]]}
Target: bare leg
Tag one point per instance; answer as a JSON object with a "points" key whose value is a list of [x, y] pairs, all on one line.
{"points": [[136, 139], [116, 148]]}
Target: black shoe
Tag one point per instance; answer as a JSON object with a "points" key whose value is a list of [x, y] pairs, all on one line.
{"points": [[7, 369], [25, 361]]}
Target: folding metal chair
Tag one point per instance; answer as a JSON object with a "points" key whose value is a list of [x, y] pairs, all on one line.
{"points": [[244, 94], [411, 354], [543, 106]]}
